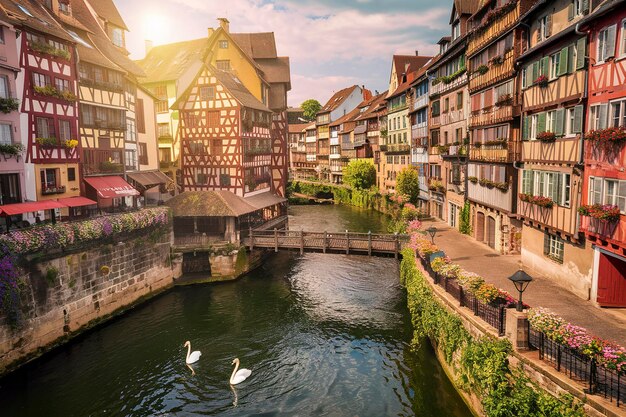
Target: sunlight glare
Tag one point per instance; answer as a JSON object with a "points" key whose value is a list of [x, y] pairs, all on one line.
{"points": [[155, 28]]}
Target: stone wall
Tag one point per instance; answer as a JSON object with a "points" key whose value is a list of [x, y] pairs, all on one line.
{"points": [[67, 293]]}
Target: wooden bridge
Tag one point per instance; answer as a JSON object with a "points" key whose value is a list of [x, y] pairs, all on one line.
{"points": [[347, 242]]}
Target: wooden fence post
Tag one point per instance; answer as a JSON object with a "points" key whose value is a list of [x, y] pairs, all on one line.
{"points": [[369, 243], [347, 243], [301, 242], [275, 240]]}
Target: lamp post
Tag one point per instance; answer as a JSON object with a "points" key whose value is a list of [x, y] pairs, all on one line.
{"points": [[521, 280], [432, 230]]}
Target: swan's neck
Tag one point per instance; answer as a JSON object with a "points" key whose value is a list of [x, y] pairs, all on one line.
{"points": [[234, 370], [188, 350]]}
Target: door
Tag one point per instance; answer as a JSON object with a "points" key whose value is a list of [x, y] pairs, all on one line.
{"points": [[611, 281], [491, 232], [480, 227], [453, 210]]}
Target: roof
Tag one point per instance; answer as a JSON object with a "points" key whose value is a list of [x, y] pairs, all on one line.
{"points": [[76, 201], [149, 179], [411, 76], [218, 203], [466, 6], [408, 63], [351, 115], [260, 45], [32, 206], [311, 126], [604, 8], [266, 199], [337, 98], [275, 70], [375, 103], [40, 20], [168, 62], [297, 127], [106, 9]]}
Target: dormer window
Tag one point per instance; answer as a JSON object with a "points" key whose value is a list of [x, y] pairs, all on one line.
{"points": [[64, 6], [444, 48], [117, 37], [456, 30]]}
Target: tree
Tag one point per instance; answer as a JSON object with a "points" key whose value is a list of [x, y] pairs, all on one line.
{"points": [[359, 174], [408, 184], [310, 108]]}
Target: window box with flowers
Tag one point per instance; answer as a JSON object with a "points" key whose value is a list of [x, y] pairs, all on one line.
{"points": [[502, 186], [473, 180], [9, 104], [546, 137], [46, 48], [47, 190], [541, 81], [70, 143], [481, 69], [610, 136], [51, 91], [47, 142], [607, 212], [11, 149], [496, 144], [436, 186], [497, 60], [545, 202]]}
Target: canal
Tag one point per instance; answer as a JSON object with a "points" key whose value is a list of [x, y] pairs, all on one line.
{"points": [[324, 335]]}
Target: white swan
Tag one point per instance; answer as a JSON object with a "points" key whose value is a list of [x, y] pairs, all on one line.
{"points": [[191, 356], [239, 375]]}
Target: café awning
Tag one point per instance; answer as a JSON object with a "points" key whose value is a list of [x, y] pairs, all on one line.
{"points": [[111, 186], [77, 201], [29, 207], [149, 179]]}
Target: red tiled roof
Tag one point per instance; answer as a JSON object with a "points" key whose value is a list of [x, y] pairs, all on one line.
{"points": [[408, 63], [106, 9], [337, 98]]}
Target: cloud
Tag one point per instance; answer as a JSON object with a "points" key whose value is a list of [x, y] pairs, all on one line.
{"points": [[326, 40]]}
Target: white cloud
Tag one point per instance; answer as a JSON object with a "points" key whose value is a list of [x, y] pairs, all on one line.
{"points": [[305, 87]]}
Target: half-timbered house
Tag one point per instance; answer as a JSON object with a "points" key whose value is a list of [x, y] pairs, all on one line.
{"points": [[367, 130], [493, 47], [553, 89], [49, 109], [604, 185], [418, 115]]}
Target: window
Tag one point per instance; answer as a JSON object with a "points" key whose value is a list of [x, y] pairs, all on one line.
{"points": [[6, 137], [577, 8], [606, 43], [64, 7], [1, 34], [608, 191], [618, 113], [223, 44], [131, 133], [71, 174], [446, 104], [117, 37], [550, 122], [207, 93], [48, 178], [544, 28], [65, 130], [61, 84], [142, 148], [553, 247], [4, 87], [435, 171], [165, 154], [161, 107], [622, 48], [45, 127], [554, 65], [570, 122], [160, 91], [554, 185], [223, 65], [598, 116], [459, 100], [456, 30], [40, 80], [130, 159], [213, 119]]}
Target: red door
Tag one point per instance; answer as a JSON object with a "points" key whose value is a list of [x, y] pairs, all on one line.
{"points": [[611, 281]]}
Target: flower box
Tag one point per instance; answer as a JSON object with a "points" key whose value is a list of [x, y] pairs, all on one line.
{"points": [[609, 136], [473, 180], [546, 137], [541, 81], [11, 149], [47, 142], [482, 69], [607, 212], [540, 201], [9, 104]]}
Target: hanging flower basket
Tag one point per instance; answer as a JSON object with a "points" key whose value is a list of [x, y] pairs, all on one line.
{"points": [[541, 81], [609, 136], [608, 213], [546, 137]]}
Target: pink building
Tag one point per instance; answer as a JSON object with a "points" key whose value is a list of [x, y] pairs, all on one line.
{"points": [[11, 150]]}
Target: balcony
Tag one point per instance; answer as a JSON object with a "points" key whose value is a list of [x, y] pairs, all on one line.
{"points": [[492, 197], [52, 189], [483, 35], [491, 115], [165, 139], [598, 154], [452, 117], [556, 217], [419, 102], [455, 151], [419, 155], [396, 148], [310, 139], [441, 87], [562, 89], [563, 151], [503, 154], [497, 72], [595, 229], [97, 161], [419, 131]]}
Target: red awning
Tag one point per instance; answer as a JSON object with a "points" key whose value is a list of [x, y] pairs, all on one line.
{"points": [[19, 208], [76, 201], [111, 186]]}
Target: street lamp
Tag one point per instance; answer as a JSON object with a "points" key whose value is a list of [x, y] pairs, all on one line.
{"points": [[432, 230], [521, 280]]}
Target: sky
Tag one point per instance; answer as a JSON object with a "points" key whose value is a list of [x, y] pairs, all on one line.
{"points": [[331, 44]]}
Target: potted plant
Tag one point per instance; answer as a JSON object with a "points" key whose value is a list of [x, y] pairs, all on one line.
{"points": [[47, 142], [546, 137], [607, 212], [482, 69], [9, 104], [541, 81], [472, 179], [11, 149], [609, 136]]}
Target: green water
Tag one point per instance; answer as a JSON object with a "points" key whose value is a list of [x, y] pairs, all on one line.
{"points": [[324, 335]]}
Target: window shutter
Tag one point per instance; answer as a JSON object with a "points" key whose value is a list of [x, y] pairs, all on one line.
{"points": [[535, 72], [563, 62], [539, 32], [571, 58], [549, 25], [541, 122], [525, 127], [585, 7], [570, 11], [556, 189], [545, 66], [580, 52], [578, 119], [610, 41], [558, 122], [602, 116]]}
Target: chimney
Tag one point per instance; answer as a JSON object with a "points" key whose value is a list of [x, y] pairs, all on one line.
{"points": [[417, 53], [210, 31], [148, 46], [224, 24]]}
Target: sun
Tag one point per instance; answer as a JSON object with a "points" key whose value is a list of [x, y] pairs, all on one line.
{"points": [[155, 28]]}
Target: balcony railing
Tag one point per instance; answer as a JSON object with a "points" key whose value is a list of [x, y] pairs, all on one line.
{"points": [[310, 139], [334, 141], [556, 217], [419, 155], [419, 131], [452, 117], [397, 148], [419, 102], [434, 121], [612, 155], [482, 37], [493, 197], [52, 189], [491, 115], [614, 231], [560, 151], [98, 161], [442, 87], [495, 73], [508, 154], [311, 157], [560, 90]]}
